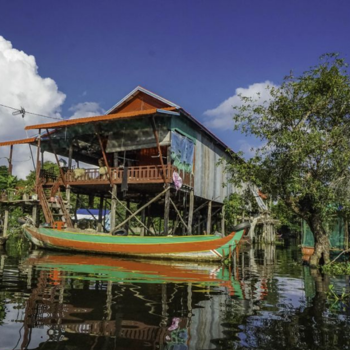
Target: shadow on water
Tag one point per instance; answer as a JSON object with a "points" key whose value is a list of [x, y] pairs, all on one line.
{"points": [[266, 300]]}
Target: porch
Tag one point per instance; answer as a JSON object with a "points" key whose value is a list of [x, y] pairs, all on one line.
{"points": [[150, 174]]}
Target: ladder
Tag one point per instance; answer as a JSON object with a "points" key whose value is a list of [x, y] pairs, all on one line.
{"points": [[258, 199], [45, 205], [64, 211]]}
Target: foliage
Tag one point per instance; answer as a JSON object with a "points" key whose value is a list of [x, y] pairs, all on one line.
{"points": [[303, 160], [342, 268], [234, 207], [7, 181], [286, 217]]}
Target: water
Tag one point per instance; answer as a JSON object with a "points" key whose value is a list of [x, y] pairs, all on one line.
{"points": [[267, 300]]}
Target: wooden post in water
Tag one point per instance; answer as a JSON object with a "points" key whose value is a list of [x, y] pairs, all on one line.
{"points": [[209, 218], [190, 212], [35, 215], [100, 211], [166, 212], [127, 214], [143, 219], [6, 222], [113, 206], [223, 228]]}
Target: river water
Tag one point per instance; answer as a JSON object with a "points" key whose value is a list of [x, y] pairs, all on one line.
{"points": [[266, 300]]}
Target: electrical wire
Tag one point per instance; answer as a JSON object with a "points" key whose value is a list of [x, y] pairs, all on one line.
{"points": [[23, 112]]}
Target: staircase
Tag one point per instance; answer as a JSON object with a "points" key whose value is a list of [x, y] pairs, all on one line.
{"points": [[49, 207], [45, 205], [64, 211]]}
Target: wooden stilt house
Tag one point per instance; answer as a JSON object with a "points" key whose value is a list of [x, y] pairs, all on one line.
{"points": [[146, 150]]}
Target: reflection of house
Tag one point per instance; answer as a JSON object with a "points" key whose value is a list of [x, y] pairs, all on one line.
{"points": [[143, 144]]}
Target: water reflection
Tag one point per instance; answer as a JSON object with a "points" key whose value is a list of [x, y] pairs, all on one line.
{"points": [[266, 299]]}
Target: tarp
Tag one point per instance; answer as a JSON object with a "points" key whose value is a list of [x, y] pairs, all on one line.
{"points": [[335, 231], [91, 213], [137, 135], [182, 152]]}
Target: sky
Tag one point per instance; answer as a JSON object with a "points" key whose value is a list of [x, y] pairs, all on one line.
{"points": [[78, 58]]}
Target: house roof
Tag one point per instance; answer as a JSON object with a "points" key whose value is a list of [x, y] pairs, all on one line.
{"points": [[95, 119], [18, 142], [139, 102], [135, 92]]}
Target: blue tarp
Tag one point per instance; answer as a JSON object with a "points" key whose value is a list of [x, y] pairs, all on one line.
{"points": [[91, 213], [182, 152]]}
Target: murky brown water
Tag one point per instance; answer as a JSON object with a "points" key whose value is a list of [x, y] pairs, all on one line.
{"points": [[267, 300]]}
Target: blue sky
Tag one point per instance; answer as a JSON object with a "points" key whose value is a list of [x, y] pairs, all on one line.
{"points": [[195, 53]]}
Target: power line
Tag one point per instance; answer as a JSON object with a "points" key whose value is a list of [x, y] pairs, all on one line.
{"points": [[24, 112]]}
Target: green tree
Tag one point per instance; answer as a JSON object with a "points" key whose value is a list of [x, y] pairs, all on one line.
{"points": [[7, 181], [304, 159]]}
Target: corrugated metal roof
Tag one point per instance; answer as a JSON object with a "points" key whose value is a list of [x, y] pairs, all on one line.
{"points": [[141, 89], [100, 118], [18, 142]]}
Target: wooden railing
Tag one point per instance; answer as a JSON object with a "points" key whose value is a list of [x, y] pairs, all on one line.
{"points": [[135, 175]]}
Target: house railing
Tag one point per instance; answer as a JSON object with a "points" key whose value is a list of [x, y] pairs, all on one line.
{"points": [[147, 174]]}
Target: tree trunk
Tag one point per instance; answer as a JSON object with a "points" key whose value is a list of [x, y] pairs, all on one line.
{"points": [[322, 246]]}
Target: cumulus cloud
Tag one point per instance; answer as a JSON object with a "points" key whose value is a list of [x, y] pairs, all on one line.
{"points": [[86, 109], [22, 86], [221, 116]]}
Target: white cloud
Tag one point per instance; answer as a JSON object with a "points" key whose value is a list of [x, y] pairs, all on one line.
{"points": [[221, 116], [86, 109], [22, 86]]}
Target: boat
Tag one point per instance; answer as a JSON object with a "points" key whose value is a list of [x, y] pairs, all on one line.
{"points": [[194, 247]]}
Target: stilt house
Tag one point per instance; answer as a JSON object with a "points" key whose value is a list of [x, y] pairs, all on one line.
{"points": [[145, 150]]}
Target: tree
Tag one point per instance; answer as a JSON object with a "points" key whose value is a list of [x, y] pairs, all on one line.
{"points": [[7, 181], [304, 158]]}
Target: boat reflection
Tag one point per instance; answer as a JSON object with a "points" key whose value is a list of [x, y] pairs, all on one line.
{"points": [[108, 302]]}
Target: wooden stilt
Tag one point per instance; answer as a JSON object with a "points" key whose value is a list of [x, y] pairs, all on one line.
{"points": [[113, 206], [179, 214], [104, 155], [77, 200], [223, 228], [143, 220], [127, 214], [209, 218], [130, 212], [6, 222], [100, 211], [35, 215], [166, 212], [10, 160], [70, 155], [159, 149], [55, 154], [144, 206], [190, 213]]}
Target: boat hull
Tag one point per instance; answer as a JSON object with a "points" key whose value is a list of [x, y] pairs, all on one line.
{"points": [[201, 247]]}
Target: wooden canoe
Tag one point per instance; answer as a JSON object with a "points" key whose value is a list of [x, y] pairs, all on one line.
{"points": [[200, 247]]}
